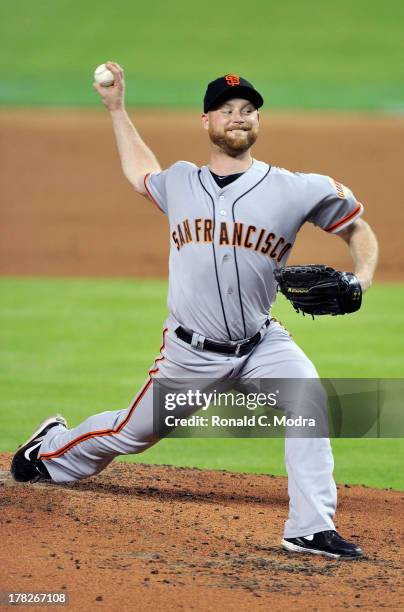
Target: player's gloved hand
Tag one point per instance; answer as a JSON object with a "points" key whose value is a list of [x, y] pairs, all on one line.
{"points": [[113, 96], [319, 290]]}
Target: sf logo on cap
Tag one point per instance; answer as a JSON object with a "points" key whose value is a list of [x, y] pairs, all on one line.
{"points": [[232, 79]]}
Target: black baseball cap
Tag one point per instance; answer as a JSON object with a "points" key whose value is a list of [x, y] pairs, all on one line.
{"points": [[227, 87]]}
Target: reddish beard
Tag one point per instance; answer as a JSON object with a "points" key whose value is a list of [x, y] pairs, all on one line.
{"points": [[231, 143]]}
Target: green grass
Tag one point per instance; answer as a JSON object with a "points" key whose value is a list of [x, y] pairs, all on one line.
{"points": [[84, 346], [313, 54], [375, 463]]}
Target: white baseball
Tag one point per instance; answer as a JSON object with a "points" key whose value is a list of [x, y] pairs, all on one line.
{"points": [[103, 76]]}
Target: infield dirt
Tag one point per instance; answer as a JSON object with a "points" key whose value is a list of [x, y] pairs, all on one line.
{"points": [[66, 209], [141, 537]]}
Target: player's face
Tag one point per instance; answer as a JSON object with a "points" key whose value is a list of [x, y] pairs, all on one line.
{"points": [[233, 126]]}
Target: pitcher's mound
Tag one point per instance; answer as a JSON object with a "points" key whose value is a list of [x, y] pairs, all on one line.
{"points": [[141, 537]]}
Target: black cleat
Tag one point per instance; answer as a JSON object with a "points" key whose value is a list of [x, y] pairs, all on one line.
{"points": [[327, 543], [25, 465]]}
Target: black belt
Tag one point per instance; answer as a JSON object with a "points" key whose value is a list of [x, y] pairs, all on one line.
{"points": [[238, 348]]}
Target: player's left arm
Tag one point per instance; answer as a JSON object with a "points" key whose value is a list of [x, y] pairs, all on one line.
{"points": [[364, 250], [337, 211]]}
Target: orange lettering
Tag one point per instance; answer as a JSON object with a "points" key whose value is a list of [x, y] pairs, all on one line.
{"points": [[268, 243], [187, 231], [250, 230], [208, 230], [284, 251], [182, 240], [174, 235], [238, 234], [197, 228], [273, 253], [262, 232], [224, 236]]}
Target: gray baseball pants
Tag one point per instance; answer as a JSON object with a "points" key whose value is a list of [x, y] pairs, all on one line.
{"points": [[87, 449]]}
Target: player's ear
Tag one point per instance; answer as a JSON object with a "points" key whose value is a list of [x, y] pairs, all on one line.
{"points": [[205, 121]]}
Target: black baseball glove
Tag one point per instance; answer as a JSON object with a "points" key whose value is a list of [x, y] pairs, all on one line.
{"points": [[319, 290]]}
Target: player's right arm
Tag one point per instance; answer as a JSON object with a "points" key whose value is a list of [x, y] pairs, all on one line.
{"points": [[137, 160]]}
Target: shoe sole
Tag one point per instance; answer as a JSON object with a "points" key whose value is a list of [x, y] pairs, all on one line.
{"points": [[57, 418], [314, 551]]}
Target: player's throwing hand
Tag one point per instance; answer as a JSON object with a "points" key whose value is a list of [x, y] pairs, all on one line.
{"points": [[114, 95]]}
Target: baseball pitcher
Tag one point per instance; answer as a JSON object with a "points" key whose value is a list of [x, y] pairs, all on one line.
{"points": [[233, 223]]}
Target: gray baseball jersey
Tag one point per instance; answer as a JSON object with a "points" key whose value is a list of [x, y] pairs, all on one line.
{"points": [[225, 244]]}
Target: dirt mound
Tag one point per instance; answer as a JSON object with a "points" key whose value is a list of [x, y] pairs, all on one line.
{"points": [[164, 538], [66, 209]]}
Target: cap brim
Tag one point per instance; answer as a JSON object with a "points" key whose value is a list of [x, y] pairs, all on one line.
{"points": [[238, 91]]}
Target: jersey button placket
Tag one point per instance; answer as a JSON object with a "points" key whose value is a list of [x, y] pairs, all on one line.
{"points": [[227, 273], [222, 211], [227, 256]]}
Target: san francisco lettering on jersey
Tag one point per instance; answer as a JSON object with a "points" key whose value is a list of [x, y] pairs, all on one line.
{"points": [[235, 234]]}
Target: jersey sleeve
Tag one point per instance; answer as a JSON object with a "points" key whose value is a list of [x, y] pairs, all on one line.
{"points": [[334, 205], [163, 187], [155, 185]]}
